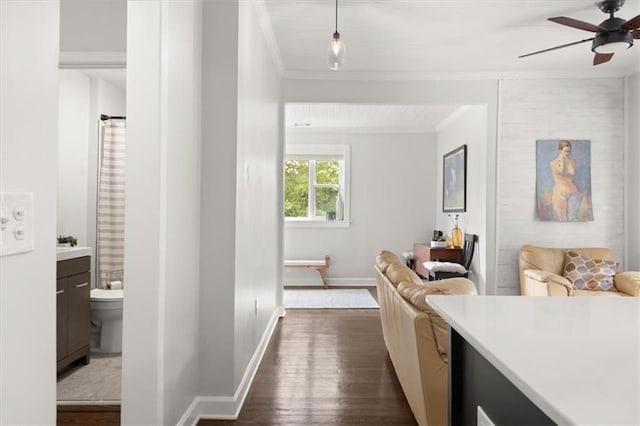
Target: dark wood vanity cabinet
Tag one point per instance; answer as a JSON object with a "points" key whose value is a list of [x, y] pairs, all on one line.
{"points": [[73, 307]]}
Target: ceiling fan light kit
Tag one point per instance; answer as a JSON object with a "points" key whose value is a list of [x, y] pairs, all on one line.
{"points": [[612, 42], [337, 49], [612, 36]]}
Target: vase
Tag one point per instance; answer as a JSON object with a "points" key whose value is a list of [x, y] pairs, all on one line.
{"points": [[456, 237]]}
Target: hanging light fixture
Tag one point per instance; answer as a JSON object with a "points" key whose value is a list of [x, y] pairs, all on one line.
{"points": [[336, 48]]}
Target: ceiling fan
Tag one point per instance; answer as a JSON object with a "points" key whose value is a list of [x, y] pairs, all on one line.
{"points": [[612, 35]]}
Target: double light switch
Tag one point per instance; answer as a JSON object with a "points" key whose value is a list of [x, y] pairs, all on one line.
{"points": [[16, 222]]}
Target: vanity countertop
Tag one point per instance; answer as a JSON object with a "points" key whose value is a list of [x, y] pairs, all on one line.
{"points": [[65, 253], [576, 358]]}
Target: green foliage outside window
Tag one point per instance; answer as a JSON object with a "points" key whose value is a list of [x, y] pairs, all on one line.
{"points": [[297, 187]]}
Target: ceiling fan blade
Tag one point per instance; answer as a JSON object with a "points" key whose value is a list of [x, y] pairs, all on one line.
{"points": [[632, 24], [557, 47], [636, 34], [601, 58], [574, 23]]}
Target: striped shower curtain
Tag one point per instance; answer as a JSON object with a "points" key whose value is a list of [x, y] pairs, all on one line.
{"points": [[111, 190]]}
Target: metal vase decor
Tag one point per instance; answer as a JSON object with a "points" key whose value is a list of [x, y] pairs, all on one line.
{"points": [[456, 232]]}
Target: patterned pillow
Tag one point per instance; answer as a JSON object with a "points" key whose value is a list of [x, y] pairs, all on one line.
{"points": [[586, 273]]}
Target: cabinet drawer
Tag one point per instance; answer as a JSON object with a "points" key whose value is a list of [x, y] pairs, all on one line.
{"points": [[66, 268], [78, 312]]}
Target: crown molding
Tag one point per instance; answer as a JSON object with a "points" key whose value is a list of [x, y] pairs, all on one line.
{"points": [[454, 75], [69, 59], [452, 117], [359, 130], [266, 27]]}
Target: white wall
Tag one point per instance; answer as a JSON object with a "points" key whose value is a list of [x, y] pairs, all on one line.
{"points": [[558, 109], [160, 336], [393, 188], [218, 196], [241, 205], [632, 160], [468, 126], [93, 26], [28, 156], [259, 194], [82, 98], [73, 147], [418, 92]]}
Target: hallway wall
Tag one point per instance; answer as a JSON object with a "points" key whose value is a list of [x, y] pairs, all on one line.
{"points": [[28, 156], [160, 369]]}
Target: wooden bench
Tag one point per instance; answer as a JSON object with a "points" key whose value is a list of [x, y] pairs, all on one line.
{"points": [[318, 265]]}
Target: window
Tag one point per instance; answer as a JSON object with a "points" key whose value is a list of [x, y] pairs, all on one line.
{"points": [[316, 192]]}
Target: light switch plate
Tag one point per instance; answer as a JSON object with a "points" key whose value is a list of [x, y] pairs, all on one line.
{"points": [[16, 222]]}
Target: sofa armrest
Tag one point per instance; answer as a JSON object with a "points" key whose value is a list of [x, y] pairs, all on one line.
{"points": [[544, 283], [628, 282]]}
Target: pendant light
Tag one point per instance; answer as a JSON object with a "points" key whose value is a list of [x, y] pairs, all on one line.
{"points": [[336, 48]]}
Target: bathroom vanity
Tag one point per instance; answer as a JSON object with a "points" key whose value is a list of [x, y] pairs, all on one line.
{"points": [[73, 305]]}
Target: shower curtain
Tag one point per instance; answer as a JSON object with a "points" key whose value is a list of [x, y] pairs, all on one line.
{"points": [[111, 191]]}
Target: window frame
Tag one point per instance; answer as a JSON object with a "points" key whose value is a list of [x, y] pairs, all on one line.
{"points": [[319, 152]]}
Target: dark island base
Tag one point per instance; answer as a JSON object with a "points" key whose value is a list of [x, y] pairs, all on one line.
{"points": [[474, 381]]}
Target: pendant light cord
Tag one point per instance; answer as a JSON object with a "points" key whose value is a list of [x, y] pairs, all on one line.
{"points": [[336, 15]]}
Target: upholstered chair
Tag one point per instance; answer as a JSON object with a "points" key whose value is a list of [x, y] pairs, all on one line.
{"points": [[542, 273]]}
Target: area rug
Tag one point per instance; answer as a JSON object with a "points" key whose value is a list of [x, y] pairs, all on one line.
{"points": [[328, 299]]}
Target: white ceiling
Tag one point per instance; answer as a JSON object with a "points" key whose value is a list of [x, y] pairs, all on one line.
{"points": [[441, 38], [367, 117]]}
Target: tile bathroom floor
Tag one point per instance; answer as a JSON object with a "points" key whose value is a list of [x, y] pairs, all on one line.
{"points": [[97, 382]]}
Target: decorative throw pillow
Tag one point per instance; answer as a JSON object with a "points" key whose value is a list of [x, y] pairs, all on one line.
{"points": [[586, 273], [445, 267]]}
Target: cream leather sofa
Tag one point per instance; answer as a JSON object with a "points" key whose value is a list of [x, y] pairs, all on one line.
{"points": [[541, 273], [415, 335]]}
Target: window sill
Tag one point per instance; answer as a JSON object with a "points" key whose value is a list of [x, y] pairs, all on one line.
{"points": [[317, 223]]}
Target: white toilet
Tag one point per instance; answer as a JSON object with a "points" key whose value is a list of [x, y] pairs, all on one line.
{"points": [[106, 320]]}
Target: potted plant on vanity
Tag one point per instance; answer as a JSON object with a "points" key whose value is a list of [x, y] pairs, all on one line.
{"points": [[67, 241]]}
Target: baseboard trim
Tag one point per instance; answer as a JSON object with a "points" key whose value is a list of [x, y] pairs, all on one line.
{"points": [[333, 282], [228, 407]]}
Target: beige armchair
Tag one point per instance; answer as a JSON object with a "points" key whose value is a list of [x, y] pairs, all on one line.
{"points": [[541, 273]]}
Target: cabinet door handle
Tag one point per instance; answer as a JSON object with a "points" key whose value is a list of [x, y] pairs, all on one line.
{"points": [[59, 292], [81, 285]]}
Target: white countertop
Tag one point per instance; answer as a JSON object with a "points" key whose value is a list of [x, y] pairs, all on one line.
{"points": [[64, 253], [576, 358]]}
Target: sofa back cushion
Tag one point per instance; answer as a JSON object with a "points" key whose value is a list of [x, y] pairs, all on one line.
{"points": [[386, 258], [397, 272], [551, 259], [416, 295]]}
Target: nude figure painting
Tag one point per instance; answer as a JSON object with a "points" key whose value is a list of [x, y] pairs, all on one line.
{"points": [[563, 180]]}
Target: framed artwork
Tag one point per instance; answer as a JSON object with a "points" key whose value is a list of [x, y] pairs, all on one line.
{"points": [[454, 180], [563, 180]]}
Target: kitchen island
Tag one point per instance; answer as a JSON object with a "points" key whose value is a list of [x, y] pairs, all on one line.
{"points": [[543, 360]]}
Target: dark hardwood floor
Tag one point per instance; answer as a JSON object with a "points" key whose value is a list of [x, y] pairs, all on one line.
{"points": [[322, 367], [84, 415], [325, 367]]}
